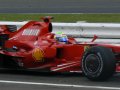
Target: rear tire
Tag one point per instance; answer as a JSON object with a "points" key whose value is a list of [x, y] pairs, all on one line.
{"points": [[98, 63]]}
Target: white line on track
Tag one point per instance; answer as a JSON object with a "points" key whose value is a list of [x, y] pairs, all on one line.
{"points": [[60, 85]]}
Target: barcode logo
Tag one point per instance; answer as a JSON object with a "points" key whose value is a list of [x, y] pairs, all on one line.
{"points": [[33, 32]]}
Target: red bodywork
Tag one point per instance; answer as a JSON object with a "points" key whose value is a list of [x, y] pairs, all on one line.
{"points": [[8, 29], [33, 46]]}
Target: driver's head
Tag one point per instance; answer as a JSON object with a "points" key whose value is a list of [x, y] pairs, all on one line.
{"points": [[61, 37]]}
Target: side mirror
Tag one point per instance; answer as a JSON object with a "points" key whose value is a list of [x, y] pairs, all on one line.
{"points": [[94, 38]]}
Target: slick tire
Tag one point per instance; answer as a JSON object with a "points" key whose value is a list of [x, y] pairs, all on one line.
{"points": [[98, 63]]}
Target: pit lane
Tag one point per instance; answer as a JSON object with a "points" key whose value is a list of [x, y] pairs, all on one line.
{"points": [[29, 80]]}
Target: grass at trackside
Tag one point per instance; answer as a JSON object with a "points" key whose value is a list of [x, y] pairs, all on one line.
{"points": [[63, 17]]}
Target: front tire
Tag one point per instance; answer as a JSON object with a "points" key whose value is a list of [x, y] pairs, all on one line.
{"points": [[98, 63]]}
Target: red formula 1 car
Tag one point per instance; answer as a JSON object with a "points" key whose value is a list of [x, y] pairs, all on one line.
{"points": [[35, 47]]}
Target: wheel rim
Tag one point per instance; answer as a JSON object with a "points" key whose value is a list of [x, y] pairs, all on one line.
{"points": [[92, 64]]}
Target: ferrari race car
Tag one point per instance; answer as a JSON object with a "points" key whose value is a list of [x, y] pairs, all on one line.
{"points": [[35, 47]]}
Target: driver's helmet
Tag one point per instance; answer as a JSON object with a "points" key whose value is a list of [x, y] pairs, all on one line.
{"points": [[61, 37]]}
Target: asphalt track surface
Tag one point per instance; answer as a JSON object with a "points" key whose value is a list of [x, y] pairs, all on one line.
{"points": [[27, 80], [59, 6]]}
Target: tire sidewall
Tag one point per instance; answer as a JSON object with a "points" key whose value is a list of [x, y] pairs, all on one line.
{"points": [[107, 63], [100, 68]]}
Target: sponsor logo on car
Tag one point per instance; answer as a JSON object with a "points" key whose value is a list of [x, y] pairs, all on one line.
{"points": [[38, 54]]}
